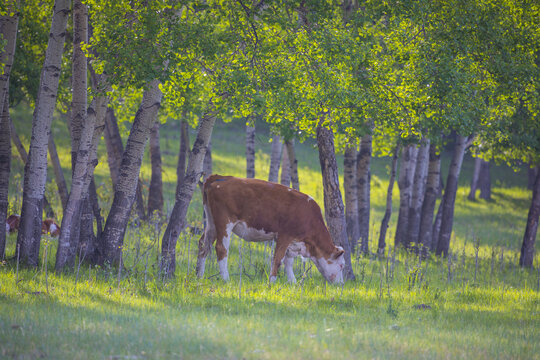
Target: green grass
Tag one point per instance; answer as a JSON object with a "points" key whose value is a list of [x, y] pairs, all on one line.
{"points": [[399, 307]]}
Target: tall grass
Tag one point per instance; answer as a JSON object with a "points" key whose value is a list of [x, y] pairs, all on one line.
{"points": [[476, 303]]}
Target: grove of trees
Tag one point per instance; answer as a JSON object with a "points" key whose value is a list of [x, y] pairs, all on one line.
{"points": [[367, 78]]}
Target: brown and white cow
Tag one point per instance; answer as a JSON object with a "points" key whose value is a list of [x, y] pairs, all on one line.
{"points": [[258, 210]]}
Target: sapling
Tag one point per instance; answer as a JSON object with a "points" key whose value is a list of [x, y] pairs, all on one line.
{"points": [[538, 279], [45, 258], [449, 277], [120, 268], [381, 277], [18, 255], [78, 266], [476, 250], [240, 269], [145, 270], [492, 266]]}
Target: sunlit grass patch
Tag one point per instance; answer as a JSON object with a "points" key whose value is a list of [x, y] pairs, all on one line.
{"points": [[400, 306]]}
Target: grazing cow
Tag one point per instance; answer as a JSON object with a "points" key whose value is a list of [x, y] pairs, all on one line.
{"points": [[51, 227], [12, 223], [258, 210], [48, 226]]}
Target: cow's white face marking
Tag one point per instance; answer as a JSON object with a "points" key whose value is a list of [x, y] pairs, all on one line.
{"points": [[332, 269]]}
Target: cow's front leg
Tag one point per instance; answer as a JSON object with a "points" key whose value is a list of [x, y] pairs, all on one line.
{"points": [[222, 250]]}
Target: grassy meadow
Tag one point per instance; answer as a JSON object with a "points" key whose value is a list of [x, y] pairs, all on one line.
{"points": [[477, 303]]}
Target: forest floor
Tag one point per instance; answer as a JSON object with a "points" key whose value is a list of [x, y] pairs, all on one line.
{"points": [[477, 303]]}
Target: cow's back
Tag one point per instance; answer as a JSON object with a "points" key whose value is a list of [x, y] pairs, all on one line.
{"points": [[262, 205]]}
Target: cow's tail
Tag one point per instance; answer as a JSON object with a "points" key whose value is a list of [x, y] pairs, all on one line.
{"points": [[208, 235]]}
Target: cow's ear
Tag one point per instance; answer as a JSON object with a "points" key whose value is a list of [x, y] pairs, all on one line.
{"points": [[338, 252]]}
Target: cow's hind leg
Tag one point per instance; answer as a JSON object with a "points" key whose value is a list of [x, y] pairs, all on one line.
{"points": [[279, 253], [205, 245], [222, 248], [288, 261]]}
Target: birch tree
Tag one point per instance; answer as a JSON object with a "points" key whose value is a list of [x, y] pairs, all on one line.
{"points": [[250, 150], [155, 190], [5, 168], [8, 29], [35, 176]]}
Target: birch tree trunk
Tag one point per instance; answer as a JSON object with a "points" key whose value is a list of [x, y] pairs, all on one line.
{"points": [[532, 172], [485, 181], [363, 180], [96, 209], [35, 174], [388, 212], [207, 162], [275, 159], [405, 181], [155, 191], [82, 130], [124, 195], [333, 203], [79, 83], [418, 193], [8, 29], [183, 154], [24, 158], [78, 209], [88, 243], [177, 222], [285, 168], [526, 258], [436, 228], [66, 253], [449, 197], [58, 173], [351, 199], [113, 142], [5, 168], [115, 149], [293, 163], [250, 151], [475, 177], [430, 198]]}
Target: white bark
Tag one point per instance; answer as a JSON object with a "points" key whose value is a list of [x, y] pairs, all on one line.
{"points": [[35, 175]]}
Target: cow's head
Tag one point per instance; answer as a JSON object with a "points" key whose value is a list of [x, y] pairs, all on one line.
{"points": [[332, 268]]}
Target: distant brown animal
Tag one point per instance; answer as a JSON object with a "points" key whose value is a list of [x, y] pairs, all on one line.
{"points": [[48, 226], [12, 223], [51, 227], [258, 210]]}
